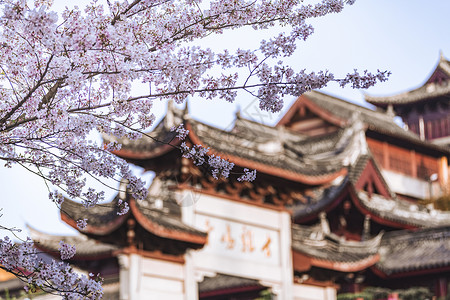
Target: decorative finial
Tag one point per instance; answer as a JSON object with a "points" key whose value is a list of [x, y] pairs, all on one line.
{"points": [[169, 119], [185, 115], [238, 111], [324, 223], [390, 110], [366, 229]]}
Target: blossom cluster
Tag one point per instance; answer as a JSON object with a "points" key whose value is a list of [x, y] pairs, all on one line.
{"points": [[248, 175], [58, 277], [197, 153], [66, 251], [81, 224], [181, 131], [122, 207], [220, 167]]}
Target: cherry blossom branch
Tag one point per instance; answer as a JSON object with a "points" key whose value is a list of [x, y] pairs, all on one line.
{"points": [[71, 74], [27, 96]]}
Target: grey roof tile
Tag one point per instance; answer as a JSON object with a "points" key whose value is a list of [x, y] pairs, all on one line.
{"points": [[423, 93], [406, 250], [85, 246], [312, 241], [403, 211], [224, 282], [427, 91], [376, 121], [105, 214], [319, 199]]}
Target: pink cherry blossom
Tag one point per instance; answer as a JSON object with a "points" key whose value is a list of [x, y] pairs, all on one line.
{"points": [[66, 76], [67, 251]]}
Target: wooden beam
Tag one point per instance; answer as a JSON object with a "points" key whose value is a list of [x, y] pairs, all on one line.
{"points": [[308, 124]]}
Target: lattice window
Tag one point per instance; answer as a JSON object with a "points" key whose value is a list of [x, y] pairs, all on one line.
{"points": [[400, 162]]}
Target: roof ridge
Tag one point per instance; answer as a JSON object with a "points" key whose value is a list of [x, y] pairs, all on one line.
{"points": [[345, 102]]}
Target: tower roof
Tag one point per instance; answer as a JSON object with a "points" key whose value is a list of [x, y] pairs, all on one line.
{"points": [[342, 113], [437, 85]]}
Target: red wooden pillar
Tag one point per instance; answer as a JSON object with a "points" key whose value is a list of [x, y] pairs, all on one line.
{"points": [[441, 287]]}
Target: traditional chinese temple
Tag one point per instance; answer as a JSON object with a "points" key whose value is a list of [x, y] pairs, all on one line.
{"points": [[334, 208], [425, 110]]}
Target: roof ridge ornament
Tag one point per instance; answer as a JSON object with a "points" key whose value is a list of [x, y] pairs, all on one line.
{"points": [[353, 140], [185, 114], [366, 228], [238, 112], [169, 119], [390, 110], [324, 225]]}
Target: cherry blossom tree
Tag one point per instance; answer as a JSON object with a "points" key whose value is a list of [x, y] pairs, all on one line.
{"points": [[65, 76]]}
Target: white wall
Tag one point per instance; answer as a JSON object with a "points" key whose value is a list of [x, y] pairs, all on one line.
{"points": [[410, 186], [309, 292], [147, 278], [244, 240]]}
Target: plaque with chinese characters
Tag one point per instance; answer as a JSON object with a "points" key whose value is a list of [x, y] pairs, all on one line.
{"points": [[239, 240]]}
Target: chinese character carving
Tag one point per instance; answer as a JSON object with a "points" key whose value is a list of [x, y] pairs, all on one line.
{"points": [[247, 240], [209, 228], [266, 247], [227, 238]]}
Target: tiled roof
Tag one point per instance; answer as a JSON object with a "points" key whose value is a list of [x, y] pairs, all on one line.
{"points": [[402, 211], [323, 196], [86, 247], [398, 251], [316, 144], [99, 215], [374, 120], [224, 282], [271, 146], [406, 250], [357, 169], [148, 145], [279, 147], [427, 91], [313, 242], [152, 141], [319, 198], [265, 149], [159, 218], [107, 214]]}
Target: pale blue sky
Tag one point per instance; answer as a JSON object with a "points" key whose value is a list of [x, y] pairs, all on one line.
{"points": [[403, 36]]}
